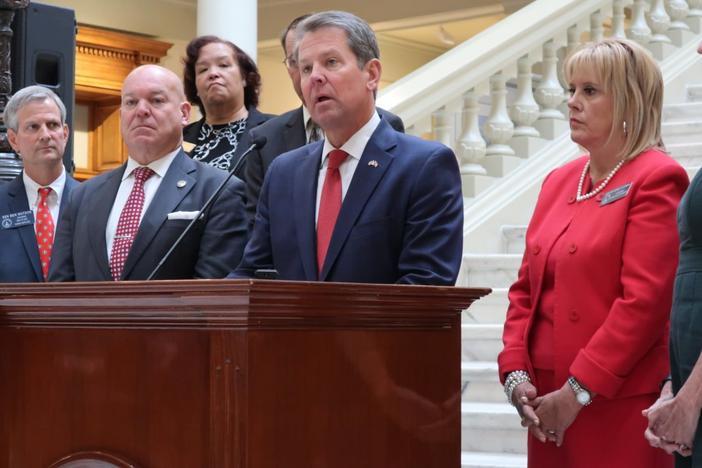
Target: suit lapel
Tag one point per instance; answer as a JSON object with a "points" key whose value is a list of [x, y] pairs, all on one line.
{"points": [[364, 181], [294, 131], [166, 199], [304, 197], [99, 208], [17, 203], [70, 184]]}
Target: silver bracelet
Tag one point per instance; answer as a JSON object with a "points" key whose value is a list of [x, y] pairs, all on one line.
{"points": [[514, 379]]}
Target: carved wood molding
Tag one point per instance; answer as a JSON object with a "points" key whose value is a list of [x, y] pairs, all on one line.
{"points": [[233, 304], [104, 58]]}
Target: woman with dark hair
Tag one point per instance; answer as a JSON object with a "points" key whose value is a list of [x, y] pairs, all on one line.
{"points": [[223, 81]]}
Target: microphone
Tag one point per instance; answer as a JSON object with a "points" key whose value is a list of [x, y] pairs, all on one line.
{"points": [[258, 143]]}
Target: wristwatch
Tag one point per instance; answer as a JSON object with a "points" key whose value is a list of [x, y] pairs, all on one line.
{"points": [[582, 395]]}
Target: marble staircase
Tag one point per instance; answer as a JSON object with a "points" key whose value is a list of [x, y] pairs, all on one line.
{"points": [[490, 432]]}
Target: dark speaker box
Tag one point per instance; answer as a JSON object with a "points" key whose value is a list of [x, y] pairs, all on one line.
{"points": [[43, 53]]}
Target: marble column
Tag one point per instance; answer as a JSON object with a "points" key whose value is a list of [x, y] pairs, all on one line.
{"points": [[234, 21]]}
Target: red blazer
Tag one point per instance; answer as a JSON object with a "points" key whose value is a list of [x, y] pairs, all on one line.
{"points": [[613, 284]]}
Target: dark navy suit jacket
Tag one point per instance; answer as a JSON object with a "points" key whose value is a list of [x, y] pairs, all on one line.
{"points": [[210, 250], [401, 220], [19, 255]]}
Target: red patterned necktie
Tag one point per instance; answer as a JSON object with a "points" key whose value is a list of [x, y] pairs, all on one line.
{"points": [[45, 231], [329, 204], [128, 223]]}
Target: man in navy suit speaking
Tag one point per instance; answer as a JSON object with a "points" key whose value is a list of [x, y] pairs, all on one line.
{"points": [[367, 203], [119, 225], [30, 204], [287, 131]]}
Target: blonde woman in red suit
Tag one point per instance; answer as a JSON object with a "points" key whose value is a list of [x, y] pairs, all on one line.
{"points": [[586, 330]]}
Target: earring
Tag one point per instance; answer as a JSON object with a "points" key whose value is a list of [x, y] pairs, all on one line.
{"points": [[626, 132]]}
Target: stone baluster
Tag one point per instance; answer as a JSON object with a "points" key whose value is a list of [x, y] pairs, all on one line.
{"points": [[660, 22], [442, 126], [618, 17], [573, 41], [524, 111], [596, 26], [679, 31], [678, 11], [471, 145], [549, 94], [498, 128], [660, 44], [639, 30], [694, 17]]}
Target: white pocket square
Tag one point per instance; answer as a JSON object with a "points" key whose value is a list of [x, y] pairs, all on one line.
{"points": [[183, 215]]}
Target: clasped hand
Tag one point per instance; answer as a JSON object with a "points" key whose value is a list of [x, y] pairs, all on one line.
{"points": [[672, 422], [548, 416]]}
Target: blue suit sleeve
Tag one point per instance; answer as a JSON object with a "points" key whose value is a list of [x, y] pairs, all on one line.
{"points": [[433, 236], [258, 252]]}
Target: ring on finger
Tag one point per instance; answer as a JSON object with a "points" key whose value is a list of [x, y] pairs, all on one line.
{"points": [[551, 432], [683, 447]]}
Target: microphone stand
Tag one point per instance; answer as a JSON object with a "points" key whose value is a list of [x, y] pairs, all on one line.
{"points": [[256, 144]]}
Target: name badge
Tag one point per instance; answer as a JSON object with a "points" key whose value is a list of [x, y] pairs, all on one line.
{"points": [[615, 194], [15, 220]]}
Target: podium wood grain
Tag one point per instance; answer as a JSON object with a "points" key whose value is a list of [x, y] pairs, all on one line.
{"points": [[231, 373]]}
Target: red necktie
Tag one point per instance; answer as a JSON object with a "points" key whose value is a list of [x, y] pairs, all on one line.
{"points": [[329, 204], [128, 223], [45, 230]]}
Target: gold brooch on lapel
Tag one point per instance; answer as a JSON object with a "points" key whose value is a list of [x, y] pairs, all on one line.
{"points": [[373, 163]]}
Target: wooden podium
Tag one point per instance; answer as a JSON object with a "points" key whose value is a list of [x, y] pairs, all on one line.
{"points": [[230, 374]]}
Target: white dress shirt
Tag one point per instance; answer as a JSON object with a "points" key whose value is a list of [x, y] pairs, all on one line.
{"points": [[53, 200], [160, 167], [354, 147]]}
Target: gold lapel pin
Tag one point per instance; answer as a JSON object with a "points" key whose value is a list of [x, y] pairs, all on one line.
{"points": [[181, 183], [373, 163]]}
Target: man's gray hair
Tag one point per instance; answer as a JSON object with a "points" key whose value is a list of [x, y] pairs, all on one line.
{"points": [[360, 37], [23, 97]]}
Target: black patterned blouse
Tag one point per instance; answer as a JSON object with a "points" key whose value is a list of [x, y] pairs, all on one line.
{"points": [[216, 144]]}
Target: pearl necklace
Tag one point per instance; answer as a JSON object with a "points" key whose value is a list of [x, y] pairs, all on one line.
{"points": [[580, 196]]}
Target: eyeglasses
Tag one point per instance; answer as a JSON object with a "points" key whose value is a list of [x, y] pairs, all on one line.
{"points": [[290, 62]]}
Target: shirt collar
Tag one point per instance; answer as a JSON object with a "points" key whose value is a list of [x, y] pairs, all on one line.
{"points": [[355, 145], [32, 187], [159, 166]]}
